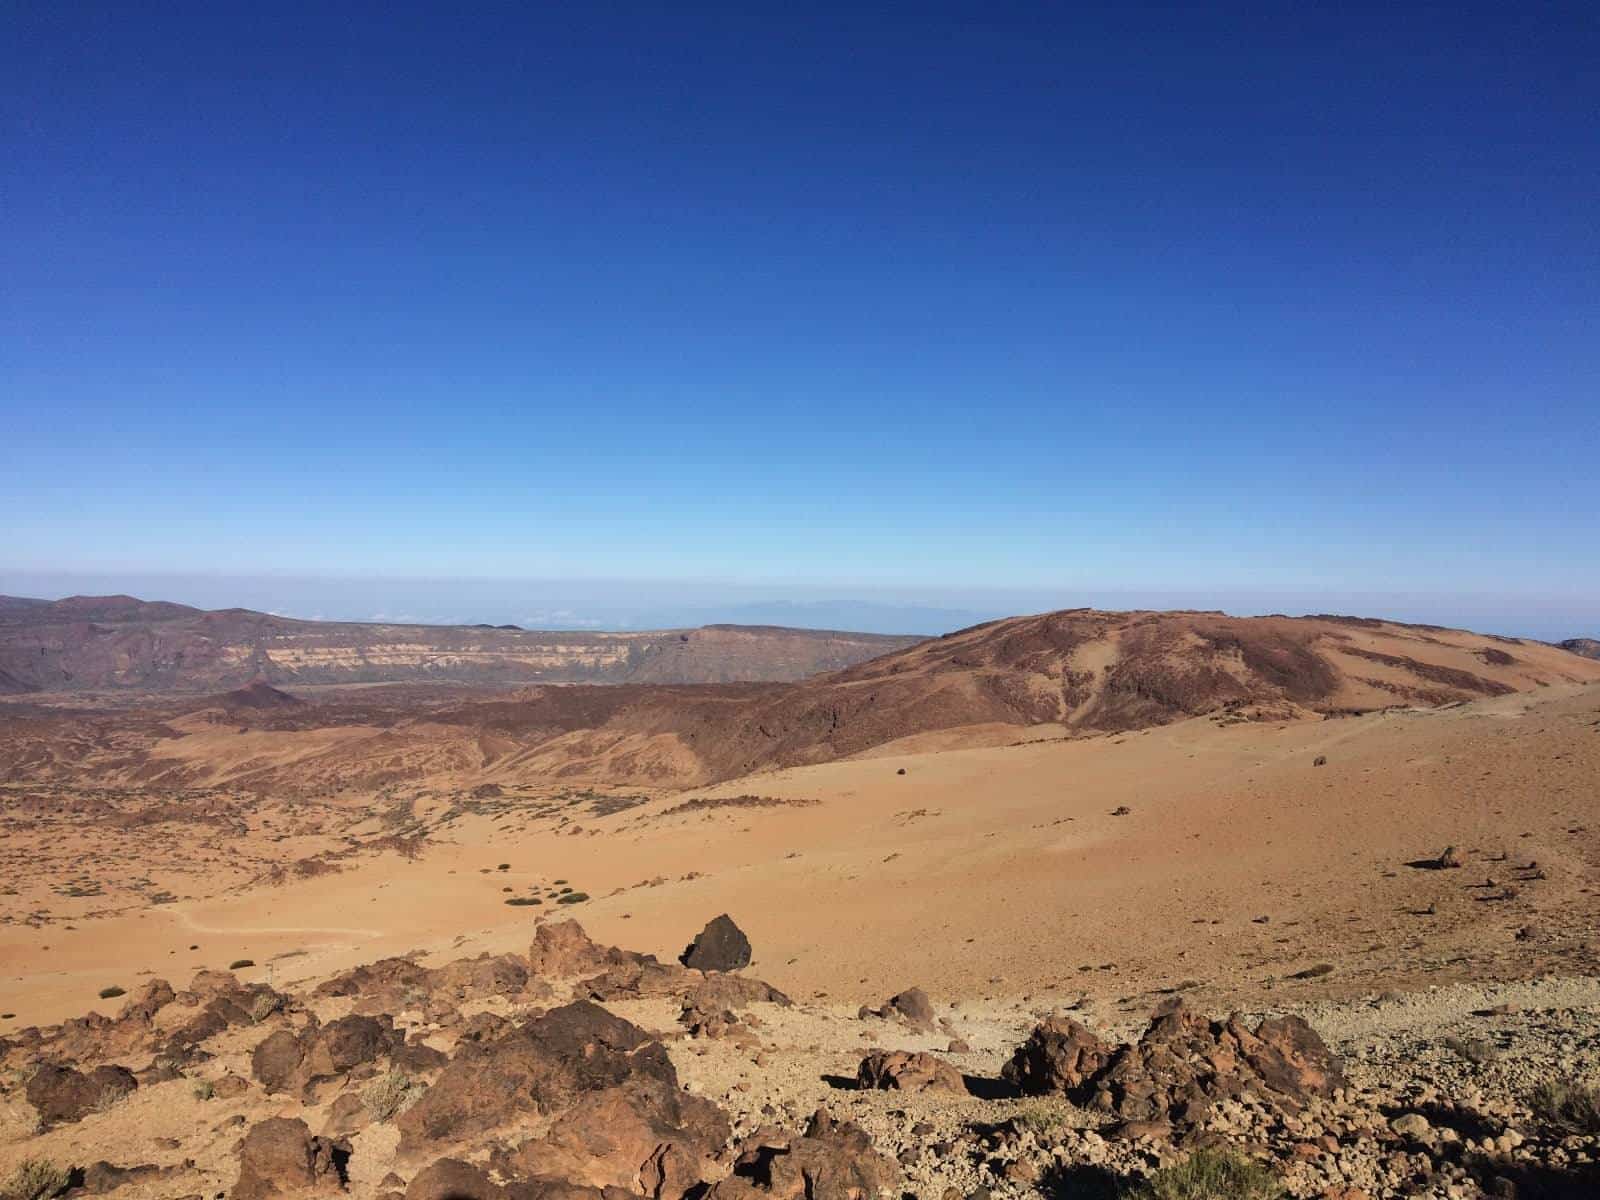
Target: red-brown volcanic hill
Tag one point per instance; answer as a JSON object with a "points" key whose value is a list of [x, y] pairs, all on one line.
{"points": [[1101, 671], [1587, 647], [115, 643], [1078, 671]]}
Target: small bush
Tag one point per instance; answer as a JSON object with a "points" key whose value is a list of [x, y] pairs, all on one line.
{"points": [[264, 1005], [36, 1179], [573, 898], [240, 964], [390, 1095], [523, 901], [1571, 1107], [204, 1090], [111, 993], [1211, 1175]]}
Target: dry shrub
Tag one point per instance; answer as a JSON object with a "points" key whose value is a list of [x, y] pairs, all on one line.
{"points": [[1211, 1175], [1568, 1106], [390, 1095], [36, 1179]]}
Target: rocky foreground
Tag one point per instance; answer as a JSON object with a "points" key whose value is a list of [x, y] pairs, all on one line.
{"points": [[585, 1072]]}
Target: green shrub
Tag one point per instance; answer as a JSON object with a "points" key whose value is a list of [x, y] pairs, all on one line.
{"points": [[573, 898], [111, 993], [240, 964], [204, 1090], [523, 901], [1568, 1106], [36, 1179], [1211, 1175]]}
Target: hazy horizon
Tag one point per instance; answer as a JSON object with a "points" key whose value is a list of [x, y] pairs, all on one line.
{"points": [[617, 604]]}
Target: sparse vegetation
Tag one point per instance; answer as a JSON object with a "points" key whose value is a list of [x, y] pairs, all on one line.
{"points": [[1040, 1116], [204, 1089], [264, 1005], [1568, 1106], [523, 901], [573, 898], [240, 964], [1211, 1175], [111, 993], [390, 1095], [36, 1179], [703, 804]]}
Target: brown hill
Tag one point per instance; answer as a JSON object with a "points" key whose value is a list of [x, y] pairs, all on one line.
{"points": [[257, 695], [1060, 674], [1587, 647], [115, 643]]}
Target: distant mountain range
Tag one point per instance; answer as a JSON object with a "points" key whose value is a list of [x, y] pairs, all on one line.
{"points": [[120, 643], [1076, 672], [1588, 647]]}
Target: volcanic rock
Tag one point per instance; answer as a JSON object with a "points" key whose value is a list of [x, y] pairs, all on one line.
{"points": [[1060, 1055], [832, 1160], [720, 946], [542, 1065], [908, 1071], [911, 1006], [289, 1062], [562, 950], [63, 1094], [279, 1157], [1179, 1067]]}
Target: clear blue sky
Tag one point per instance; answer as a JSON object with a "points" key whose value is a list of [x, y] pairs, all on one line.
{"points": [[1252, 301]]}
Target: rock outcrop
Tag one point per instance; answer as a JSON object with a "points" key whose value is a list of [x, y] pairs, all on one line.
{"points": [[1179, 1067], [831, 1160]]}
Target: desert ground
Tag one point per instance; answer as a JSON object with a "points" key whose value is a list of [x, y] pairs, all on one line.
{"points": [[1410, 878]]}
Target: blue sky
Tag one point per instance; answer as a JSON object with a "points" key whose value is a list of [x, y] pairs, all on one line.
{"points": [[878, 304]]}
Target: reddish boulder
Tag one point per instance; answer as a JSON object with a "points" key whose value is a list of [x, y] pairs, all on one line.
{"points": [[279, 1157], [832, 1160], [542, 1065], [63, 1094], [646, 1136], [562, 950], [289, 1062], [911, 1006], [1179, 1067], [908, 1071], [1060, 1055]]}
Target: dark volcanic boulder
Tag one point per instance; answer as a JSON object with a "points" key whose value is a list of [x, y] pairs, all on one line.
{"points": [[832, 1160], [279, 1157], [720, 946], [1060, 1055], [452, 1179], [542, 1065], [911, 1006], [645, 1132], [289, 1062], [101, 1177], [908, 1071], [64, 1094], [276, 1060]]}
